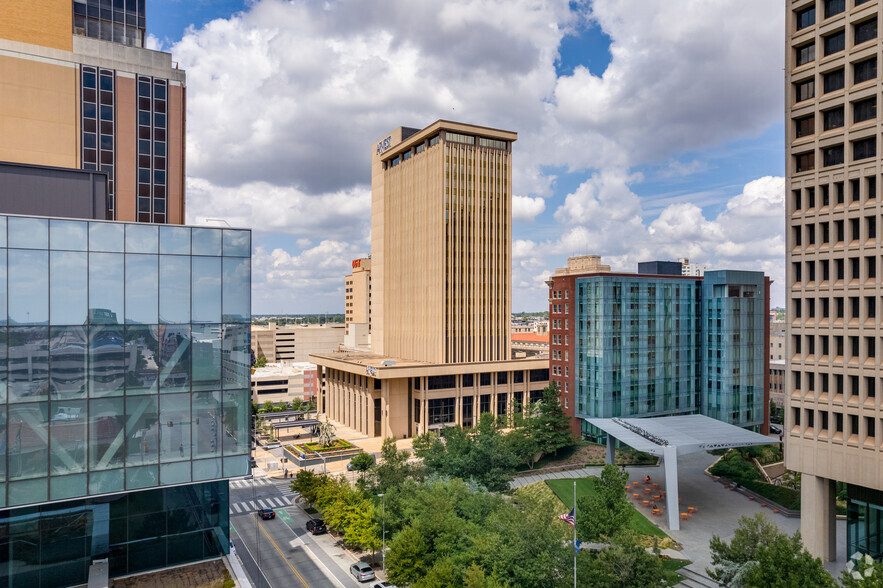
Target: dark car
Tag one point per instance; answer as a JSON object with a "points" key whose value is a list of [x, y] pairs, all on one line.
{"points": [[252, 462], [362, 572], [316, 526], [267, 513], [775, 430]]}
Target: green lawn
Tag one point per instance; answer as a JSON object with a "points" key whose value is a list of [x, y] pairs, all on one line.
{"points": [[563, 489]]}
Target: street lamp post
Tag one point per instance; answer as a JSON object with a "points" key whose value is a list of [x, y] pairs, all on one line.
{"points": [[256, 536], [383, 532], [324, 463]]}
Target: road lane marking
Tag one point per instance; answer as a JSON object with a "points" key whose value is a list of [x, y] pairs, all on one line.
{"points": [[236, 508], [296, 573], [253, 505], [253, 560]]}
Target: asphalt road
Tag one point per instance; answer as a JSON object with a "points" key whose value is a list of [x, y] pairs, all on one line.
{"points": [[288, 555]]}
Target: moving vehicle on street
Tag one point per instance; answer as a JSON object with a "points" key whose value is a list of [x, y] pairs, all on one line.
{"points": [[267, 513], [362, 572]]}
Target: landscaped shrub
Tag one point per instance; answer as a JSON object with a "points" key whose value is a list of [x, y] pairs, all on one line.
{"points": [[736, 468], [782, 496]]}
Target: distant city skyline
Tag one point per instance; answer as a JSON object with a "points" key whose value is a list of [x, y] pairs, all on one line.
{"points": [[636, 141]]}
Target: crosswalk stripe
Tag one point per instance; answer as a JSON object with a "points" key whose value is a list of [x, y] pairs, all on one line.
{"points": [[280, 501], [261, 502], [253, 505], [236, 508], [286, 500]]}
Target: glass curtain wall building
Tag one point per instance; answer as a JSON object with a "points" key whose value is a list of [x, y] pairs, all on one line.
{"points": [[659, 345], [638, 342], [124, 366]]}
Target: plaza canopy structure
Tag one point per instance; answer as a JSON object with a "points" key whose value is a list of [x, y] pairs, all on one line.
{"points": [[300, 424], [669, 437], [286, 415]]}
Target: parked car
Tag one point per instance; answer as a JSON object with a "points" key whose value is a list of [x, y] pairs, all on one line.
{"points": [[381, 584], [316, 526], [775, 430], [267, 513], [362, 572]]}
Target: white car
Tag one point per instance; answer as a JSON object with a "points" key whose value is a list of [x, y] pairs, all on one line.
{"points": [[381, 584]]}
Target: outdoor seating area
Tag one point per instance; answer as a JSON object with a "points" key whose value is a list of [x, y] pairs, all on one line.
{"points": [[651, 495]]}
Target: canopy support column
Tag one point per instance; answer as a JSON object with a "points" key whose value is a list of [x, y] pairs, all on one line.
{"points": [[670, 458], [611, 449]]}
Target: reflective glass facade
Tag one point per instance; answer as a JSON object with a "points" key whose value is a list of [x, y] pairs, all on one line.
{"points": [[658, 345], [638, 342], [864, 521], [54, 544], [124, 357], [733, 346]]}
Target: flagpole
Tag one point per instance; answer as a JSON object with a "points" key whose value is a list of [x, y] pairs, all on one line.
{"points": [[574, 533]]}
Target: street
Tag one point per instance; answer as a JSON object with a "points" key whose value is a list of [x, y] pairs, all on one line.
{"points": [[280, 552]]}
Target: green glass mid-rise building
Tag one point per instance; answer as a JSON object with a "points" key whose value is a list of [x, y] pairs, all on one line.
{"points": [[657, 343]]}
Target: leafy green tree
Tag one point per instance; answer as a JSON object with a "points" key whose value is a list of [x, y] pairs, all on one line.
{"points": [[606, 512], [551, 427], [393, 468], [307, 484], [406, 560], [476, 578], [761, 555], [268, 406], [362, 462], [261, 361], [628, 565]]}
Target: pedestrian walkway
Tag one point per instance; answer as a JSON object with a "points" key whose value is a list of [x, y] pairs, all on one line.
{"points": [[254, 505], [566, 474]]}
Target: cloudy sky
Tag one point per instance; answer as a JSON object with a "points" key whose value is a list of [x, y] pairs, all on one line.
{"points": [[647, 129]]}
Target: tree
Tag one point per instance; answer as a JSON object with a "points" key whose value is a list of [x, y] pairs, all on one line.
{"points": [[606, 512], [628, 565], [407, 555], [362, 462], [268, 406], [476, 578], [761, 555], [306, 483], [393, 468], [551, 427], [261, 361]]}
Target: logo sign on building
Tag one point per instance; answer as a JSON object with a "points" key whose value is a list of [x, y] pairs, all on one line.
{"points": [[384, 145], [357, 263], [371, 370]]}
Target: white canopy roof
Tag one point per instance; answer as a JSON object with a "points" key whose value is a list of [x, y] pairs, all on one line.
{"points": [[688, 433]]}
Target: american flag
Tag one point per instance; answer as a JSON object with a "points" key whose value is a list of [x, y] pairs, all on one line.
{"points": [[568, 518]]}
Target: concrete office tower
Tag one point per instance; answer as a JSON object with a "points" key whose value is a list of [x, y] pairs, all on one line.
{"points": [[358, 293], [78, 90], [833, 430], [440, 290], [290, 343], [441, 238]]}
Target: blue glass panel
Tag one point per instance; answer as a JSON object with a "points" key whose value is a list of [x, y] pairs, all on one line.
{"points": [[105, 482], [142, 359], [142, 477], [28, 491], [142, 430], [206, 358], [29, 294], [106, 237], [68, 288], [207, 241], [28, 233], [236, 356], [28, 363], [67, 435], [175, 352], [106, 435], [107, 361], [174, 417], [236, 466], [237, 243], [236, 410], [68, 235], [28, 442], [64, 487], [174, 473], [174, 240], [206, 469], [68, 360], [142, 289], [106, 288], [141, 238], [237, 289], [174, 289], [206, 289], [206, 424]]}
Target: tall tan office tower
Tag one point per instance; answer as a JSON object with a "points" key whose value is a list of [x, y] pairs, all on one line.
{"points": [[78, 90], [440, 292], [833, 429], [441, 235]]}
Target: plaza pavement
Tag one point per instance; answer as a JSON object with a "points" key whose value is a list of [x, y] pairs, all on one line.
{"points": [[718, 509]]}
